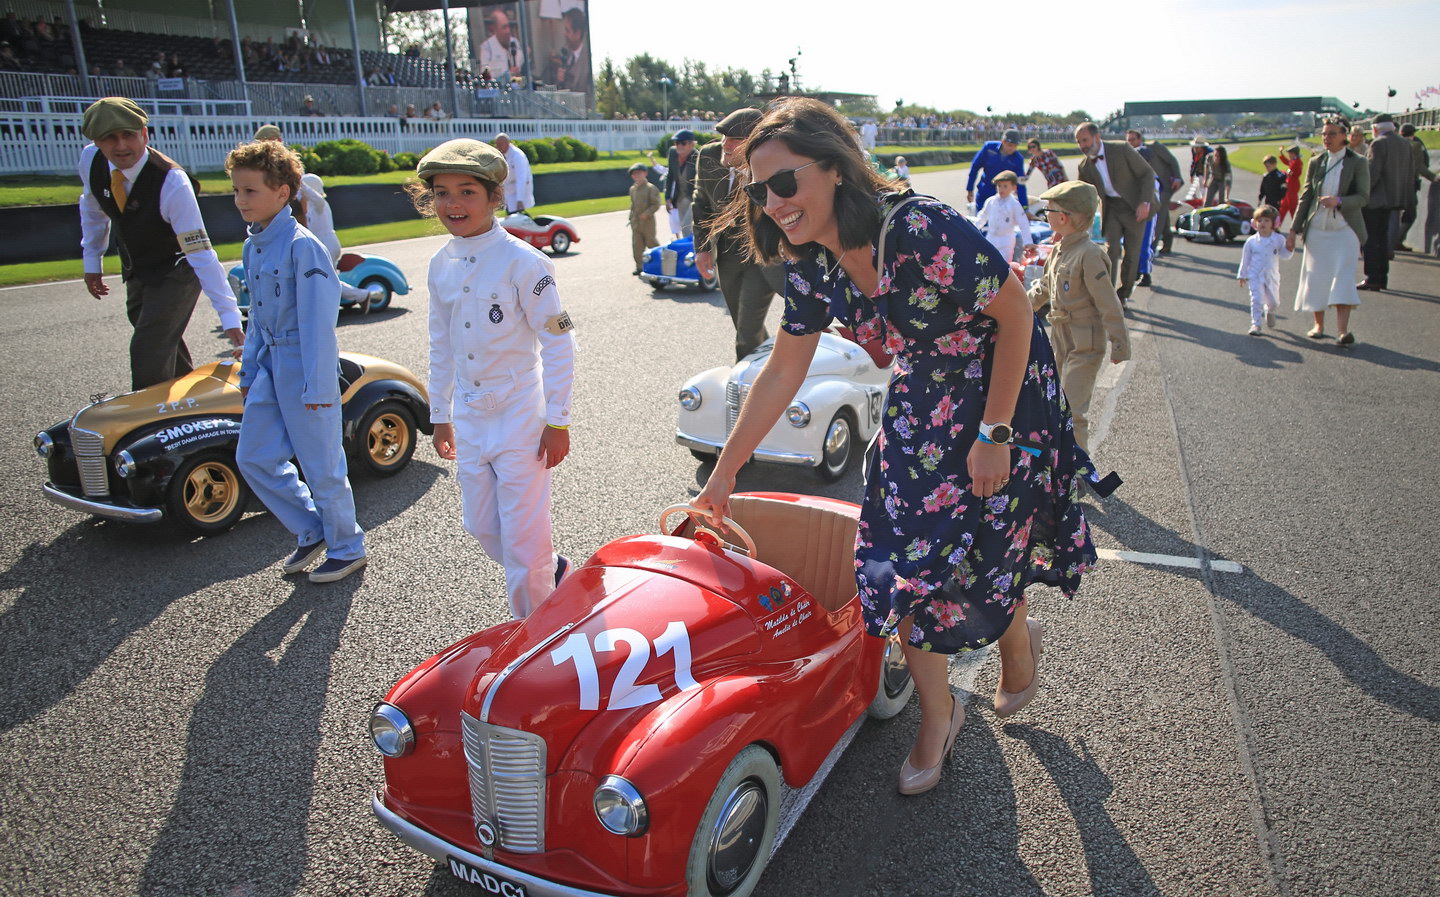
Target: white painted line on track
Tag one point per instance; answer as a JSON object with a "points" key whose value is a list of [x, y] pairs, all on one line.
{"points": [[1167, 560]]}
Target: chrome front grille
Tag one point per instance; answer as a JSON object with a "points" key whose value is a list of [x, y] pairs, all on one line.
{"points": [[507, 783], [669, 258], [735, 394], [89, 449]]}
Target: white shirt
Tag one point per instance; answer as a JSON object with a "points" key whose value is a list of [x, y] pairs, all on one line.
{"points": [[320, 220], [1261, 256], [1000, 216], [497, 58], [1330, 219], [473, 282], [519, 184], [179, 209], [1105, 176]]}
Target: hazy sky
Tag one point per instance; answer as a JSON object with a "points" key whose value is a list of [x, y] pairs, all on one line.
{"points": [[1061, 56]]}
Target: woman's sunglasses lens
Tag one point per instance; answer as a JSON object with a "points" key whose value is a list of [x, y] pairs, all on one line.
{"points": [[782, 182]]}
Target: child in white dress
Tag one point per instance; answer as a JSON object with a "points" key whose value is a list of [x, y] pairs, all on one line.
{"points": [[1260, 268], [1002, 214]]}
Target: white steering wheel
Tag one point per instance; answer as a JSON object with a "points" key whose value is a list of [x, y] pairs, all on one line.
{"points": [[700, 517]]}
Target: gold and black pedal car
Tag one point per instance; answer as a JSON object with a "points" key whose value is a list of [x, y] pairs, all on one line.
{"points": [[168, 451]]}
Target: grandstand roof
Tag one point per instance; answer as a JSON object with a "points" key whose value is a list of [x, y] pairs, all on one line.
{"points": [[1255, 105]]}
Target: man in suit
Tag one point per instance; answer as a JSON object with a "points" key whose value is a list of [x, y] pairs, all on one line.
{"points": [[575, 55], [1420, 158], [1392, 175], [1167, 169], [680, 179], [1126, 184], [746, 286]]}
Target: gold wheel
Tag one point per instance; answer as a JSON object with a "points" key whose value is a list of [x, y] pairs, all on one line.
{"points": [[388, 439], [211, 492]]}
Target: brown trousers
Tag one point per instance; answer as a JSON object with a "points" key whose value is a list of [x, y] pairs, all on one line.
{"points": [[159, 309], [1118, 224], [748, 289], [1079, 353], [642, 237]]}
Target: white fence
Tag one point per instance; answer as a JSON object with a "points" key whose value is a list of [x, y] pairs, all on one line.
{"points": [[37, 143]]}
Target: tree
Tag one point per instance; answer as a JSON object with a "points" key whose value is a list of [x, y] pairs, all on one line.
{"points": [[607, 95], [860, 107]]}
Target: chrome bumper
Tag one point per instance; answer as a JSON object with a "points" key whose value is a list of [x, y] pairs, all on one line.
{"points": [[102, 508], [1187, 232], [443, 850], [661, 280], [798, 459]]}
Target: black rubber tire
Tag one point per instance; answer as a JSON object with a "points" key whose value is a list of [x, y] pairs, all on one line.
{"points": [[709, 284], [752, 780], [1222, 234], [387, 450], [383, 303], [206, 495], [833, 467], [704, 457], [560, 243]]}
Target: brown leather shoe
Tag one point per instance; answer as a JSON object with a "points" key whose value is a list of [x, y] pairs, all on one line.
{"points": [[1008, 703], [918, 781]]}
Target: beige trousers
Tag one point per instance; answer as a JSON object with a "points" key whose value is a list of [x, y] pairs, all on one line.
{"points": [[1079, 353]]}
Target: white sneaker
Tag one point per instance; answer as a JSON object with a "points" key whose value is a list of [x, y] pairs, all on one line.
{"points": [[1254, 330]]}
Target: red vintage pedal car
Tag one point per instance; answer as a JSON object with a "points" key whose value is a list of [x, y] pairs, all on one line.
{"points": [[656, 724]]}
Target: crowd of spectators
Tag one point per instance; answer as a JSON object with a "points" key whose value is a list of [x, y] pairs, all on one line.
{"points": [[35, 43]]}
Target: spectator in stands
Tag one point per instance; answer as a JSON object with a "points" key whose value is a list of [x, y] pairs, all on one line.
{"points": [[374, 78], [435, 113], [9, 62], [501, 52], [174, 68], [121, 70], [309, 107], [412, 52], [486, 79], [410, 111], [11, 30], [96, 71]]}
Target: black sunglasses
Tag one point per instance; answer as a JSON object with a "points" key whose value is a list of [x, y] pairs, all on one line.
{"points": [[782, 182]]}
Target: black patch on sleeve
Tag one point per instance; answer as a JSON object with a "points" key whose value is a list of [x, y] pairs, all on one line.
{"points": [[313, 271], [545, 281]]}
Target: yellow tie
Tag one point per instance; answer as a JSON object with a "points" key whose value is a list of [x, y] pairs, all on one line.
{"points": [[117, 187]]}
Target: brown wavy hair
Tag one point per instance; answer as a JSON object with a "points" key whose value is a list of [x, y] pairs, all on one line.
{"points": [[275, 161], [816, 131]]}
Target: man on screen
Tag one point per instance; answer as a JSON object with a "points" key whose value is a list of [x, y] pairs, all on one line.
{"points": [[501, 52], [575, 55]]}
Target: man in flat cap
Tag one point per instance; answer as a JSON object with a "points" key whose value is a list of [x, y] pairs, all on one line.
{"points": [[746, 286], [1420, 160], [994, 157], [1084, 310], [165, 254], [679, 186], [1392, 173], [1126, 184]]}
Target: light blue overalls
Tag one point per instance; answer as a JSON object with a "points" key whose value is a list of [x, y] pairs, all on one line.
{"points": [[292, 359]]}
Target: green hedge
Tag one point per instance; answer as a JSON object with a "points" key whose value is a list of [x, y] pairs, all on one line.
{"points": [[547, 150]]}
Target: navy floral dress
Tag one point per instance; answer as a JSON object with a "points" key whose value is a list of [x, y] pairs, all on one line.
{"points": [[926, 545]]}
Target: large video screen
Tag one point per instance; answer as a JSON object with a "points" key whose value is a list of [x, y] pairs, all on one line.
{"points": [[541, 42]]}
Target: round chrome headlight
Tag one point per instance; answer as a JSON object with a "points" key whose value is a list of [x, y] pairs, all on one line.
{"points": [[798, 414], [690, 259], [124, 464], [689, 398], [391, 731], [44, 445], [620, 808]]}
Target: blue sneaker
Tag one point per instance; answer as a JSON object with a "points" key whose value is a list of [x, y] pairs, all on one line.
{"points": [[562, 566], [335, 569], [303, 557]]}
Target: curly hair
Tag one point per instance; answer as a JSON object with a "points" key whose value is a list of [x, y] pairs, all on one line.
{"points": [[816, 131], [274, 160]]}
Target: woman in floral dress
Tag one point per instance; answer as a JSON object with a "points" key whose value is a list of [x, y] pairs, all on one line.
{"points": [[953, 528]]}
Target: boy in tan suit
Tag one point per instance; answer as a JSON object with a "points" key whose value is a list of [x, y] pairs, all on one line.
{"points": [[644, 203], [1084, 309]]}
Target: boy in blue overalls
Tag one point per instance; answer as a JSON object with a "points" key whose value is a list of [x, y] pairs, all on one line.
{"points": [[289, 372]]}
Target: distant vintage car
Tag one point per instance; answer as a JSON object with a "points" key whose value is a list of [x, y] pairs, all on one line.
{"points": [[542, 231], [1221, 223], [168, 452], [380, 277], [657, 724], [828, 423], [675, 264]]}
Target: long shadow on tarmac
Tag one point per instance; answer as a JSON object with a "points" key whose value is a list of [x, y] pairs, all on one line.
{"points": [[239, 821], [1248, 591]]}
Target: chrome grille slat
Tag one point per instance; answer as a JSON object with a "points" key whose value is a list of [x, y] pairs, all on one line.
{"points": [[735, 393], [507, 782], [89, 448]]}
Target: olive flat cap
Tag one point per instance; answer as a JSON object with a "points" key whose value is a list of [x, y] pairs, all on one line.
{"points": [[684, 135], [1006, 176], [1012, 136], [110, 115], [464, 156], [1075, 197], [267, 132], [640, 166], [738, 123]]}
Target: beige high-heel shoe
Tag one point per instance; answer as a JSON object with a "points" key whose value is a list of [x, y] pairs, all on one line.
{"points": [[918, 781], [1009, 704]]}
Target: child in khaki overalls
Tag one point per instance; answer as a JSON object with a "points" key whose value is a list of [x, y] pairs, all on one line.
{"points": [[1084, 309], [644, 203]]}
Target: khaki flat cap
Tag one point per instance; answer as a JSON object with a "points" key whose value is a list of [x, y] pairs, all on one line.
{"points": [[110, 115], [1006, 176], [464, 156], [640, 166], [267, 132], [738, 123], [1075, 197]]}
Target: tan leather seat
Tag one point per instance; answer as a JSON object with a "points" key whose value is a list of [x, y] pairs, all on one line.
{"points": [[813, 546]]}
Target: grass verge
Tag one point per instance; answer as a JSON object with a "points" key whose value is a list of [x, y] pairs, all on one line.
{"points": [[72, 269]]}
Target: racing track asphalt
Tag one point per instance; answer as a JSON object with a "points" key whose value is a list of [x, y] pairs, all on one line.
{"points": [[179, 720]]}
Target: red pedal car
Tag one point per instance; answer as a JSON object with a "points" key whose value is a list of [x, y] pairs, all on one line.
{"points": [[542, 231], [656, 724]]}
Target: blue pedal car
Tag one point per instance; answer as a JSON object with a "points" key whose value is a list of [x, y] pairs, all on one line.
{"points": [[675, 264], [380, 277]]}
